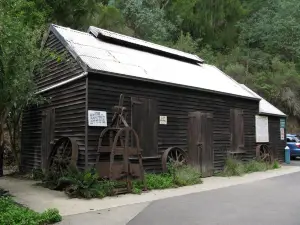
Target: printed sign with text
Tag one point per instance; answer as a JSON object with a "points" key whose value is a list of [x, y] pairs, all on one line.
{"points": [[97, 118]]}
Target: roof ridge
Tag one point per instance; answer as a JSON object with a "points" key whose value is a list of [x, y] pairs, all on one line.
{"points": [[68, 28]]}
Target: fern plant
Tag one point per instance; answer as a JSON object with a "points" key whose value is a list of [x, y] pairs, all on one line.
{"points": [[85, 184]]}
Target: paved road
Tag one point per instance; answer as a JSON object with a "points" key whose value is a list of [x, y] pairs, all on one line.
{"points": [[274, 201]]}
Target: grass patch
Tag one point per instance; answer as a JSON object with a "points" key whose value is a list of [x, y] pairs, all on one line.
{"points": [[234, 167], [13, 213], [276, 165], [159, 181], [187, 175], [176, 177]]}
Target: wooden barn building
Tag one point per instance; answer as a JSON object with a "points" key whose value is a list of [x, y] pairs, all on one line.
{"points": [[270, 127], [172, 99]]}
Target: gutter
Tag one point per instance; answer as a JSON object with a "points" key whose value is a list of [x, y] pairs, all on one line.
{"points": [[84, 74]]}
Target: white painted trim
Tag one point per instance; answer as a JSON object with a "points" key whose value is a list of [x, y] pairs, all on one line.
{"points": [[62, 83]]}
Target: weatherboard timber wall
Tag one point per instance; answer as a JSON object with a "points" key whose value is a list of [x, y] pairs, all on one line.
{"points": [[69, 101], [60, 68], [277, 145], [175, 103]]}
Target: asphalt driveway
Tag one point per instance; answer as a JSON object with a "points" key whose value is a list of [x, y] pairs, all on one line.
{"points": [[274, 201]]}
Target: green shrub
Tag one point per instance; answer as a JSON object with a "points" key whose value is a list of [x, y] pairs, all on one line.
{"points": [[233, 167], [37, 174], [3, 193], [187, 175], [12, 213], [276, 165], [159, 181], [255, 166], [176, 177], [85, 184], [136, 190]]}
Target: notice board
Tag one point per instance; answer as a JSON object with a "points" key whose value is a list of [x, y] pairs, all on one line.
{"points": [[261, 129]]}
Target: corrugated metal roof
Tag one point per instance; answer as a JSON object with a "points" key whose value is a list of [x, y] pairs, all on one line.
{"points": [[99, 56], [98, 32], [265, 107]]}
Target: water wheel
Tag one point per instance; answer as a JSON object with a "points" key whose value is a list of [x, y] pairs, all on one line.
{"points": [[173, 155], [263, 153], [119, 156], [64, 154]]}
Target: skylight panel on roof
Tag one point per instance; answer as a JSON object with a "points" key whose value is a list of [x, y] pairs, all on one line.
{"points": [[141, 44]]}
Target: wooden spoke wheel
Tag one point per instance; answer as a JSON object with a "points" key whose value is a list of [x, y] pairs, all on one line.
{"points": [[64, 154], [175, 156], [263, 153]]}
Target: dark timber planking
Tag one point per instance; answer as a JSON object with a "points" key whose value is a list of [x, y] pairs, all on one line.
{"points": [[69, 121], [175, 103], [144, 121], [276, 144], [61, 68], [69, 102]]}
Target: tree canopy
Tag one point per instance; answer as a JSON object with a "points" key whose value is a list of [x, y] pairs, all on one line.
{"points": [[255, 42]]}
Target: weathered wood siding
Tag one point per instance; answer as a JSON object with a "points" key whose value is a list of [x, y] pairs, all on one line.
{"points": [[175, 103], [60, 68], [277, 145], [69, 101]]}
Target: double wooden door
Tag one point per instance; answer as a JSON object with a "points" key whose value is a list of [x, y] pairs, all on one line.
{"points": [[200, 142]]}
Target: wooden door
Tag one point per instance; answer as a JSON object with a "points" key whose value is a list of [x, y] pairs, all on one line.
{"points": [[237, 130], [200, 142], [144, 120], [48, 129]]}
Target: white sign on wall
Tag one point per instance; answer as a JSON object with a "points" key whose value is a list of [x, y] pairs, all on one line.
{"points": [[282, 133], [261, 129], [97, 118], [163, 120]]}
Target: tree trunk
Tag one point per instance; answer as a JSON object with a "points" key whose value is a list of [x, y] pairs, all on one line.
{"points": [[2, 144], [13, 126], [1, 159], [2, 141]]}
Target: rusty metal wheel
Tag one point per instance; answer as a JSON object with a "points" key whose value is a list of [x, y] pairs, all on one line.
{"points": [[175, 156], [263, 153], [64, 154]]}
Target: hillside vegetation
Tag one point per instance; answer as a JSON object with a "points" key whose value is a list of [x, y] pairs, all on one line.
{"points": [[256, 42]]}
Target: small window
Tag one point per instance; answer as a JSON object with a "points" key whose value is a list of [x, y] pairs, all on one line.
{"points": [[237, 129]]}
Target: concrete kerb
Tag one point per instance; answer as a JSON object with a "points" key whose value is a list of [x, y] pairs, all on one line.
{"points": [[39, 199]]}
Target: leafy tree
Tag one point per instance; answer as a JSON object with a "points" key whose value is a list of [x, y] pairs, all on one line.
{"points": [[186, 43], [20, 36], [146, 20], [109, 17], [72, 13], [212, 20], [275, 29]]}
